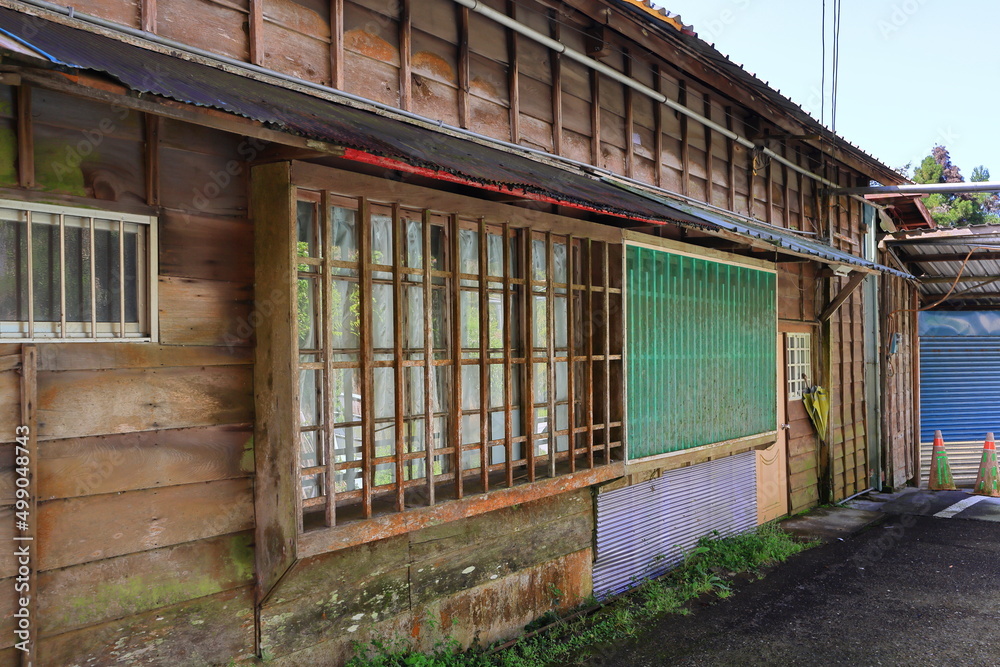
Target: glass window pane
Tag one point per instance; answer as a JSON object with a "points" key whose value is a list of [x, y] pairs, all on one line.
{"points": [[309, 242], [344, 234], [13, 270], [309, 305], [77, 270], [414, 241], [382, 317], [309, 454], [381, 223], [345, 314], [346, 395], [310, 397], [132, 250], [45, 257], [312, 486], [106, 267]]}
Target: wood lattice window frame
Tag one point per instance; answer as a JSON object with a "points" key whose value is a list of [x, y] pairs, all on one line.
{"points": [[368, 512]]}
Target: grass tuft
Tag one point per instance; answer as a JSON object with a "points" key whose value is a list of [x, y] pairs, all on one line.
{"points": [[708, 568]]}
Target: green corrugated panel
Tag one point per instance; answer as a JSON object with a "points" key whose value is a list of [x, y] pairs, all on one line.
{"points": [[701, 351]]}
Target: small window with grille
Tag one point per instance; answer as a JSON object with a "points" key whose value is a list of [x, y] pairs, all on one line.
{"points": [[75, 274], [798, 355]]}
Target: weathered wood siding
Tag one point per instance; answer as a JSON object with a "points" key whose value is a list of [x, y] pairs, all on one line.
{"points": [[145, 460], [900, 422], [797, 310], [490, 574], [437, 59]]}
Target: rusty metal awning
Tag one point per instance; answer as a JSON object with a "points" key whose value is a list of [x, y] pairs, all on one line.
{"points": [[365, 133]]}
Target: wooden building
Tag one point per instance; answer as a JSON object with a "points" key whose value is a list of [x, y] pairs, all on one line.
{"points": [[342, 319]]}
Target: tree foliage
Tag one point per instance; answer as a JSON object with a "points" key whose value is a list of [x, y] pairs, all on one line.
{"points": [[956, 210]]}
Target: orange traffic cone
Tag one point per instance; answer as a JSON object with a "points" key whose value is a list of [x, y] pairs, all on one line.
{"points": [[987, 482], [941, 479]]}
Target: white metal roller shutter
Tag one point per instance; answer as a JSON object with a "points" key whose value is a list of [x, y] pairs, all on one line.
{"points": [[645, 529]]}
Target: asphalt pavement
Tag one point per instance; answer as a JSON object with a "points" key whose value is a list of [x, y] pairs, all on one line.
{"points": [[911, 589]]}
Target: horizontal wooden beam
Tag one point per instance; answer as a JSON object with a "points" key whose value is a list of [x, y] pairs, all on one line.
{"points": [[845, 293], [686, 457]]}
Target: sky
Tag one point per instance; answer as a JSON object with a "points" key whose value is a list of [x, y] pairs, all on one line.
{"points": [[913, 73]]}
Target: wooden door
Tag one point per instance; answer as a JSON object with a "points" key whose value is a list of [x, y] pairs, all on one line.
{"points": [[772, 463]]}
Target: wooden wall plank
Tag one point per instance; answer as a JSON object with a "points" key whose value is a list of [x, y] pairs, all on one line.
{"points": [[83, 595], [207, 247], [198, 632], [82, 403], [82, 530], [207, 24], [111, 356], [204, 312], [150, 459]]}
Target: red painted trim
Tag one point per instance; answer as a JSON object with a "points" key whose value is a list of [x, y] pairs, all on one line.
{"points": [[389, 163]]}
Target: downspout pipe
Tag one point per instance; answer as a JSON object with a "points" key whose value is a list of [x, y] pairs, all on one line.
{"points": [[919, 189]]}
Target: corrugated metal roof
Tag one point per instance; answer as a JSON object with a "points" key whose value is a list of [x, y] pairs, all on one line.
{"points": [[306, 115], [782, 239], [937, 277]]}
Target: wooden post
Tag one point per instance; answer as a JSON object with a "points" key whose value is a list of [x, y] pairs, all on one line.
{"points": [[485, 367], [428, 356], [457, 345], [399, 371], [367, 355], [26, 533], [528, 328], [570, 354], [555, 62], [508, 420], [550, 350]]}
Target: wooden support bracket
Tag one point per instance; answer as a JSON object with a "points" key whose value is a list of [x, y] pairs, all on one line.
{"points": [[843, 295]]}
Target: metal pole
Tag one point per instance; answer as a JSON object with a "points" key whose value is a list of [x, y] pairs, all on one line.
{"points": [[919, 189]]}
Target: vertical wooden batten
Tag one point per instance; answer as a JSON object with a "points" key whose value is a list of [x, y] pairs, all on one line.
{"points": [[148, 10], [405, 50], [685, 142], [275, 375], [28, 536], [555, 63], [514, 78], [256, 30], [337, 43], [629, 119], [463, 67], [25, 139], [595, 117], [152, 123], [658, 126]]}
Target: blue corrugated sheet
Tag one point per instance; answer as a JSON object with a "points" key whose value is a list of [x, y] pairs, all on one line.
{"points": [[302, 114]]}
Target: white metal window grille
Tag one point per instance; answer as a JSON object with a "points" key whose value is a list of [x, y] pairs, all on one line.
{"points": [[75, 274], [798, 350]]}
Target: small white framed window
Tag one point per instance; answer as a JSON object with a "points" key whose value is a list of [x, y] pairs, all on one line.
{"points": [[798, 357], [76, 274]]}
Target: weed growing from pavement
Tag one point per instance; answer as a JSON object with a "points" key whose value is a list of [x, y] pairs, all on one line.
{"points": [[707, 569]]}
